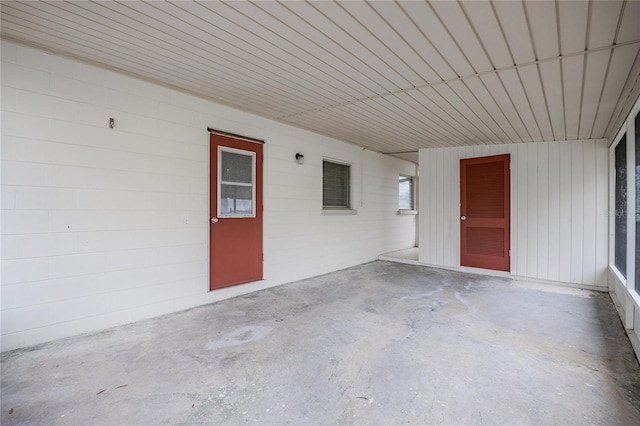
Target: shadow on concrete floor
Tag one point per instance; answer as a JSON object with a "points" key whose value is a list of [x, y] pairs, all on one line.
{"points": [[380, 343]]}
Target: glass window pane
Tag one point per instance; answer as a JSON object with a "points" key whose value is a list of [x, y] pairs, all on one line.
{"points": [[620, 254], [236, 199], [336, 185], [405, 193], [236, 167]]}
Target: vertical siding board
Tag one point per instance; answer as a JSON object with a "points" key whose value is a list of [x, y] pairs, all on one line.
{"points": [[455, 171], [423, 204], [433, 198], [577, 208], [602, 212], [564, 248], [558, 205], [543, 211], [532, 209], [448, 186], [589, 209], [554, 211], [522, 211], [440, 189]]}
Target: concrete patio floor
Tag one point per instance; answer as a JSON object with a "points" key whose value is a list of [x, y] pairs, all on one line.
{"points": [[381, 343]]}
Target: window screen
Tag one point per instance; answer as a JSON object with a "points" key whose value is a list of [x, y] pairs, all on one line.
{"points": [[336, 183], [405, 193], [620, 254]]}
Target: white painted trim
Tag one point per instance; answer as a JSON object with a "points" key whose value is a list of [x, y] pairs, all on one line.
{"points": [[408, 212], [253, 184], [635, 342], [617, 275], [631, 204], [498, 274], [338, 212], [612, 202], [351, 184]]}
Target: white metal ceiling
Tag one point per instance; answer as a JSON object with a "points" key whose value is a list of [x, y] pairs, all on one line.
{"points": [[389, 76]]}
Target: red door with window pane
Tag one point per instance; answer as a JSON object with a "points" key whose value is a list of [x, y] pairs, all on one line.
{"points": [[484, 212], [235, 226]]}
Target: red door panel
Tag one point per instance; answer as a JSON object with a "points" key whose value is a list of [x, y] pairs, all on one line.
{"points": [[484, 212], [235, 229]]}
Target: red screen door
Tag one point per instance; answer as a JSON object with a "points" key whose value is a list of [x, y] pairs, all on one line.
{"points": [[484, 212], [235, 228]]}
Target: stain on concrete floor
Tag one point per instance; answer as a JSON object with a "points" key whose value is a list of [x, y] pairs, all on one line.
{"points": [[380, 343]]}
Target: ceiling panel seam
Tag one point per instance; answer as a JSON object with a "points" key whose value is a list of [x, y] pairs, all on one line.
{"points": [[538, 72], [361, 44], [201, 77], [441, 131], [604, 83], [176, 46], [479, 74], [494, 70], [433, 46], [381, 41], [440, 135], [499, 110], [632, 78], [283, 68], [606, 76], [452, 91], [444, 123], [464, 83], [511, 57], [365, 75], [406, 42], [435, 13], [336, 43], [584, 66], [349, 78], [407, 127]]}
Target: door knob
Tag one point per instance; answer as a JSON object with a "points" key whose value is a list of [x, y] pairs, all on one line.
{"points": [[461, 218], [214, 220]]}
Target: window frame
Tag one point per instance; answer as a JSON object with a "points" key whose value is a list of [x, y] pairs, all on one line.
{"points": [[339, 210], [413, 210], [633, 131], [253, 157], [623, 290], [620, 138]]}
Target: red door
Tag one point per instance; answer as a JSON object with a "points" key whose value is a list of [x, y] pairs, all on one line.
{"points": [[484, 212], [235, 228]]}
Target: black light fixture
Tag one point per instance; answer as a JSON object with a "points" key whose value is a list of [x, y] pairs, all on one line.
{"points": [[299, 158], [112, 123]]}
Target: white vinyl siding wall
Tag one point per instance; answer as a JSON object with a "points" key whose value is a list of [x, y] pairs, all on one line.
{"points": [[559, 216], [103, 226]]}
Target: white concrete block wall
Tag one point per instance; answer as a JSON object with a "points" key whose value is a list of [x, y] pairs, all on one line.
{"points": [[559, 214], [103, 226]]}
